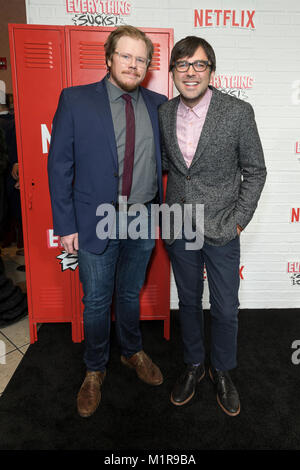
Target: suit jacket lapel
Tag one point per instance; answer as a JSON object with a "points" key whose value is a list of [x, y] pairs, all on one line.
{"points": [[104, 113], [172, 117], [211, 120], [152, 110]]}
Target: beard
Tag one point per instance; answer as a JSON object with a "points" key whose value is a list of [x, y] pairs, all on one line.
{"points": [[123, 84]]}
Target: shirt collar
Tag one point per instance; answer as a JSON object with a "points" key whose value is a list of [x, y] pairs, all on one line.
{"points": [[199, 108], [115, 92]]}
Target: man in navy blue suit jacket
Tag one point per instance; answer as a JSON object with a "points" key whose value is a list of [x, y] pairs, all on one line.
{"points": [[97, 134]]}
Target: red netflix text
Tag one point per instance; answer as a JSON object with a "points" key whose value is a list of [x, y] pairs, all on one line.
{"points": [[295, 215], [219, 18]]}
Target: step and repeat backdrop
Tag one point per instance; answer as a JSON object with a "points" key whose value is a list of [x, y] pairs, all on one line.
{"points": [[257, 45]]}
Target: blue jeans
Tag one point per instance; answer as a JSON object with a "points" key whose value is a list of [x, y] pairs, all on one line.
{"points": [[120, 268], [222, 268]]}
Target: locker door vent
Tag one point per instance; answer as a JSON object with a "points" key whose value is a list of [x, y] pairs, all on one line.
{"points": [[51, 297], [149, 296], [92, 55], [155, 63], [38, 55]]}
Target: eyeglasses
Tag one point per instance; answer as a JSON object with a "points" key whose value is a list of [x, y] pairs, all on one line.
{"points": [[127, 59], [198, 65]]}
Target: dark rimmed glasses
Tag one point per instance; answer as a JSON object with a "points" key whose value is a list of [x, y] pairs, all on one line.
{"points": [[198, 65]]}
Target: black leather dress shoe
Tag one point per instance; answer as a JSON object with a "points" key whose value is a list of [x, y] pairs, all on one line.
{"points": [[185, 387], [227, 395]]}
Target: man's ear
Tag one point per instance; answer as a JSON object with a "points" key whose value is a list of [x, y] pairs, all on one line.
{"points": [[109, 62]]}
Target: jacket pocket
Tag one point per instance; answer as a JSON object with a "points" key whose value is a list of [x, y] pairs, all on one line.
{"points": [[82, 197]]}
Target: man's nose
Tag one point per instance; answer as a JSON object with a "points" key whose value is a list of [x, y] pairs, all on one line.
{"points": [[133, 63]]}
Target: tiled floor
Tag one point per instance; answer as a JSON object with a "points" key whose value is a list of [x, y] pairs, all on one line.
{"points": [[14, 338]]}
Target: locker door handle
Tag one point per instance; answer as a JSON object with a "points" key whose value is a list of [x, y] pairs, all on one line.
{"points": [[30, 197]]}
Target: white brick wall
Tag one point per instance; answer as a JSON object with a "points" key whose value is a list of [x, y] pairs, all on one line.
{"points": [[270, 54]]}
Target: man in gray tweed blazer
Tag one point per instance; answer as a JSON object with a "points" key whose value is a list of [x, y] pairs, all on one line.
{"points": [[214, 158]]}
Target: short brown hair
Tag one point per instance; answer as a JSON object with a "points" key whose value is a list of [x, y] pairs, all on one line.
{"points": [[132, 32], [187, 47]]}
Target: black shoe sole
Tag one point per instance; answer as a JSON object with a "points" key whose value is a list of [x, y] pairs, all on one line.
{"points": [[226, 411], [190, 397], [219, 401]]}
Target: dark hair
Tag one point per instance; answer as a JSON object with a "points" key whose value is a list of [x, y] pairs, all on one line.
{"points": [[132, 32], [187, 47]]}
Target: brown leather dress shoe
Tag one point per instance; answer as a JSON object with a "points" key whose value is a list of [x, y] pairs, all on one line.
{"points": [[146, 370], [89, 395]]}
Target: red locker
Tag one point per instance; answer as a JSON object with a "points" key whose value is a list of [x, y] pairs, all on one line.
{"points": [[44, 60]]}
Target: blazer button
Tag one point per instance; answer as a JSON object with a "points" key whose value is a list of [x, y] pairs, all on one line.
{"points": [[188, 177], [116, 175]]}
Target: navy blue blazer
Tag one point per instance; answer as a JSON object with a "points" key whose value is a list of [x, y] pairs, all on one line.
{"points": [[83, 160]]}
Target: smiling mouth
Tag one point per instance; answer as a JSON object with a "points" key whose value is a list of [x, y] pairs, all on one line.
{"points": [[191, 83]]}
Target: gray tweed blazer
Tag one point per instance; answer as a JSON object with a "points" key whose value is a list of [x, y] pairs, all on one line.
{"points": [[228, 170]]}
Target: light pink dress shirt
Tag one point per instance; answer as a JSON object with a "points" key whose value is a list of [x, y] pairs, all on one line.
{"points": [[190, 122]]}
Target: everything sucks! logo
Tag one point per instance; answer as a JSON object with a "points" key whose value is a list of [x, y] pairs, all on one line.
{"points": [[235, 85], [97, 12], [293, 268]]}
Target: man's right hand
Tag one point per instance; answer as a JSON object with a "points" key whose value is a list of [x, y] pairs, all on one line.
{"points": [[70, 243]]}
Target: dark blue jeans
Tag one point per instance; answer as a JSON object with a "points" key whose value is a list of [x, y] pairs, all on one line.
{"points": [[222, 268], [120, 268]]}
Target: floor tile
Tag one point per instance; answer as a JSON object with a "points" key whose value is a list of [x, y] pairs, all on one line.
{"points": [[23, 349], [5, 346], [17, 333], [12, 360]]}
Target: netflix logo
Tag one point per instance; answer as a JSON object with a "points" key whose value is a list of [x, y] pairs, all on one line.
{"points": [[224, 18], [295, 215]]}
